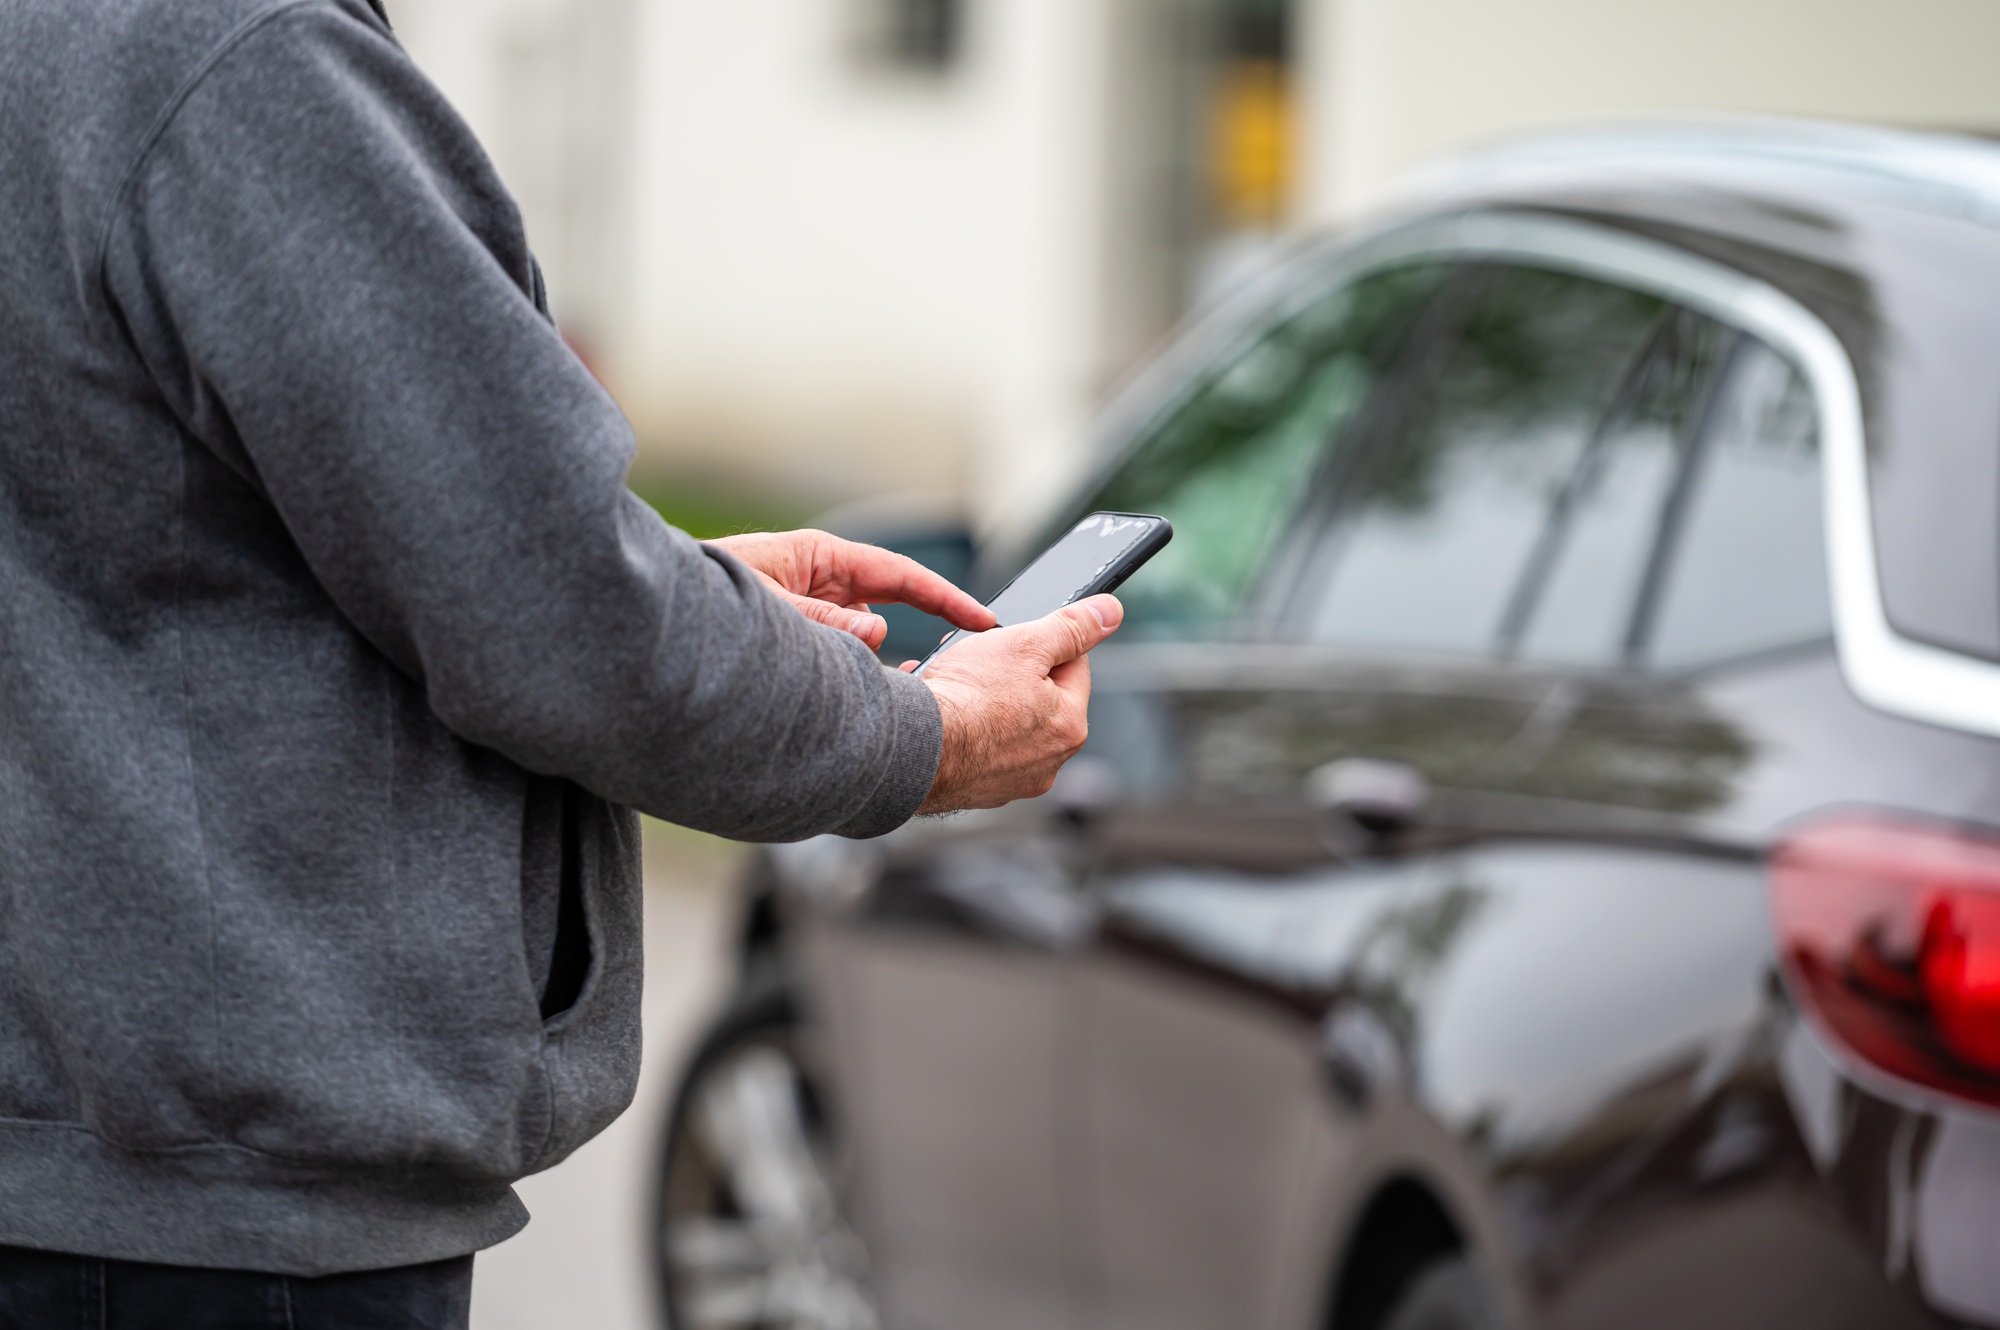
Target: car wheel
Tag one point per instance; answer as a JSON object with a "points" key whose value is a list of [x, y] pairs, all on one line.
{"points": [[1450, 1294], [749, 1228]]}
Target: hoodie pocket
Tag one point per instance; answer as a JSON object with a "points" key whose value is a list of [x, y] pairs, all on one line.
{"points": [[591, 1047], [572, 954]]}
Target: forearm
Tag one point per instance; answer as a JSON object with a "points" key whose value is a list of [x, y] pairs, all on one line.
{"points": [[671, 680]]}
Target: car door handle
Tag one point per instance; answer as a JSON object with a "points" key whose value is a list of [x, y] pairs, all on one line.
{"points": [[1376, 797]]}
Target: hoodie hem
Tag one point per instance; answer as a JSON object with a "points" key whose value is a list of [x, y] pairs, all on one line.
{"points": [[64, 1189]]}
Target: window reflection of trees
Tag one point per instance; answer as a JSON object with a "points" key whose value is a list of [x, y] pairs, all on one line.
{"points": [[1440, 514], [1748, 568], [1541, 356], [1576, 602], [1653, 751], [1233, 465]]}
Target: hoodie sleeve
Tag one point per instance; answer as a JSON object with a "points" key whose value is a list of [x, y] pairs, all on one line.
{"points": [[333, 292]]}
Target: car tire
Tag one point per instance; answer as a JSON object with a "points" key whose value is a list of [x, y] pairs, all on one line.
{"points": [[1450, 1294], [747, 1222]]}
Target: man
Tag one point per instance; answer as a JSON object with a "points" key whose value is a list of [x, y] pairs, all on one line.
{"points": [[333, 654]]}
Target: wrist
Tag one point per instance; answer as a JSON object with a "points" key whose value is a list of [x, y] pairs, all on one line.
{"points": [[953, 754]]}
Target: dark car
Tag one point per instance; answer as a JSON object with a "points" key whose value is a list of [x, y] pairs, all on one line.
{"points": [[1537, 857]]}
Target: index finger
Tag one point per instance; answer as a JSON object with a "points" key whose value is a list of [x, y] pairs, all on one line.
{"points": [[871, 573]]}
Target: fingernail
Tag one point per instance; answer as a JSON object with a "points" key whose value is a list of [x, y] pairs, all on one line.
{"points": [[1108, 611], [863, 626]]}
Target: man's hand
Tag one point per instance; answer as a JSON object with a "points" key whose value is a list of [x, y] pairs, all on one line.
{"points": [[1015, 703], [832, 581]]}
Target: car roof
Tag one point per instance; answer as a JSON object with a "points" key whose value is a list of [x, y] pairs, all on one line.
{"points": [[1943, 175]]}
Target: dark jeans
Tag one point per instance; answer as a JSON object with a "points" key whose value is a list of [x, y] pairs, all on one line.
{"points": [[49, 1291]]}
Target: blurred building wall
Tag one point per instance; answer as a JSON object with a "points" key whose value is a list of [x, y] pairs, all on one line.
{"points": [[799, 258], [866, 274], [1392, 82], [804, 255], [545, 84]]}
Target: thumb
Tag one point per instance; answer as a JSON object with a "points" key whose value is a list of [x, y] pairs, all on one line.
{"points": [[1071, 631], [870, 628]]}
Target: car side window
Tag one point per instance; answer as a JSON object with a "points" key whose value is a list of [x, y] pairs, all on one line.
{"points": [[1578, 604], [1436, 523], [1746, 568], [1231, 467]]}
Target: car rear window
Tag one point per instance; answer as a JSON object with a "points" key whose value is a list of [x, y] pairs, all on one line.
{"points": [[1599, 546], [1442, 515], [1747, 567]]}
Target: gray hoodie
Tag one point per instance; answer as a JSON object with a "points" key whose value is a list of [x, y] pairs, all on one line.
{"points": [[333, 656]]}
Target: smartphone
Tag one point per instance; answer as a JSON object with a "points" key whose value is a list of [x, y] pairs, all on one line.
{"points": [[1096, 555]]}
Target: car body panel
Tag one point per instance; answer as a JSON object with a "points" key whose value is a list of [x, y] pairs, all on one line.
{"points": [[951, 1024], [1145, 1051]]}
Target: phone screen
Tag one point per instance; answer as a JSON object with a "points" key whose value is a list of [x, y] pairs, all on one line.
{"points": [[1069, 566], [1095, 554]]}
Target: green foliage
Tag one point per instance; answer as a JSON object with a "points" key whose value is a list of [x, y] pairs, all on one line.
{"points": [[706, 507]]}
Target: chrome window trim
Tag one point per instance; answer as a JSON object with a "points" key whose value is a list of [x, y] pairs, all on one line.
{"points": [[1885, 669]]}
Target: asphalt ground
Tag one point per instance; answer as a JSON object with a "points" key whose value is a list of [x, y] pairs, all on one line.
{"points": [[583, 1259]]}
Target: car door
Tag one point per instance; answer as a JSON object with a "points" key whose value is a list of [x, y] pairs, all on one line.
{"points": [[1238, 913], [937, 969], [947, 983]]}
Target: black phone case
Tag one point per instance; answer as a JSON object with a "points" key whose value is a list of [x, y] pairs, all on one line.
{"points": [[1110, 579]]}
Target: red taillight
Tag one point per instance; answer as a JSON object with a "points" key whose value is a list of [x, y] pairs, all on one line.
{"points": [[1890, 934]]}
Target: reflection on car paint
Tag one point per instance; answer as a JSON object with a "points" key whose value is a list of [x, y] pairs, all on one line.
{"points": [[1148, 1052]]}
